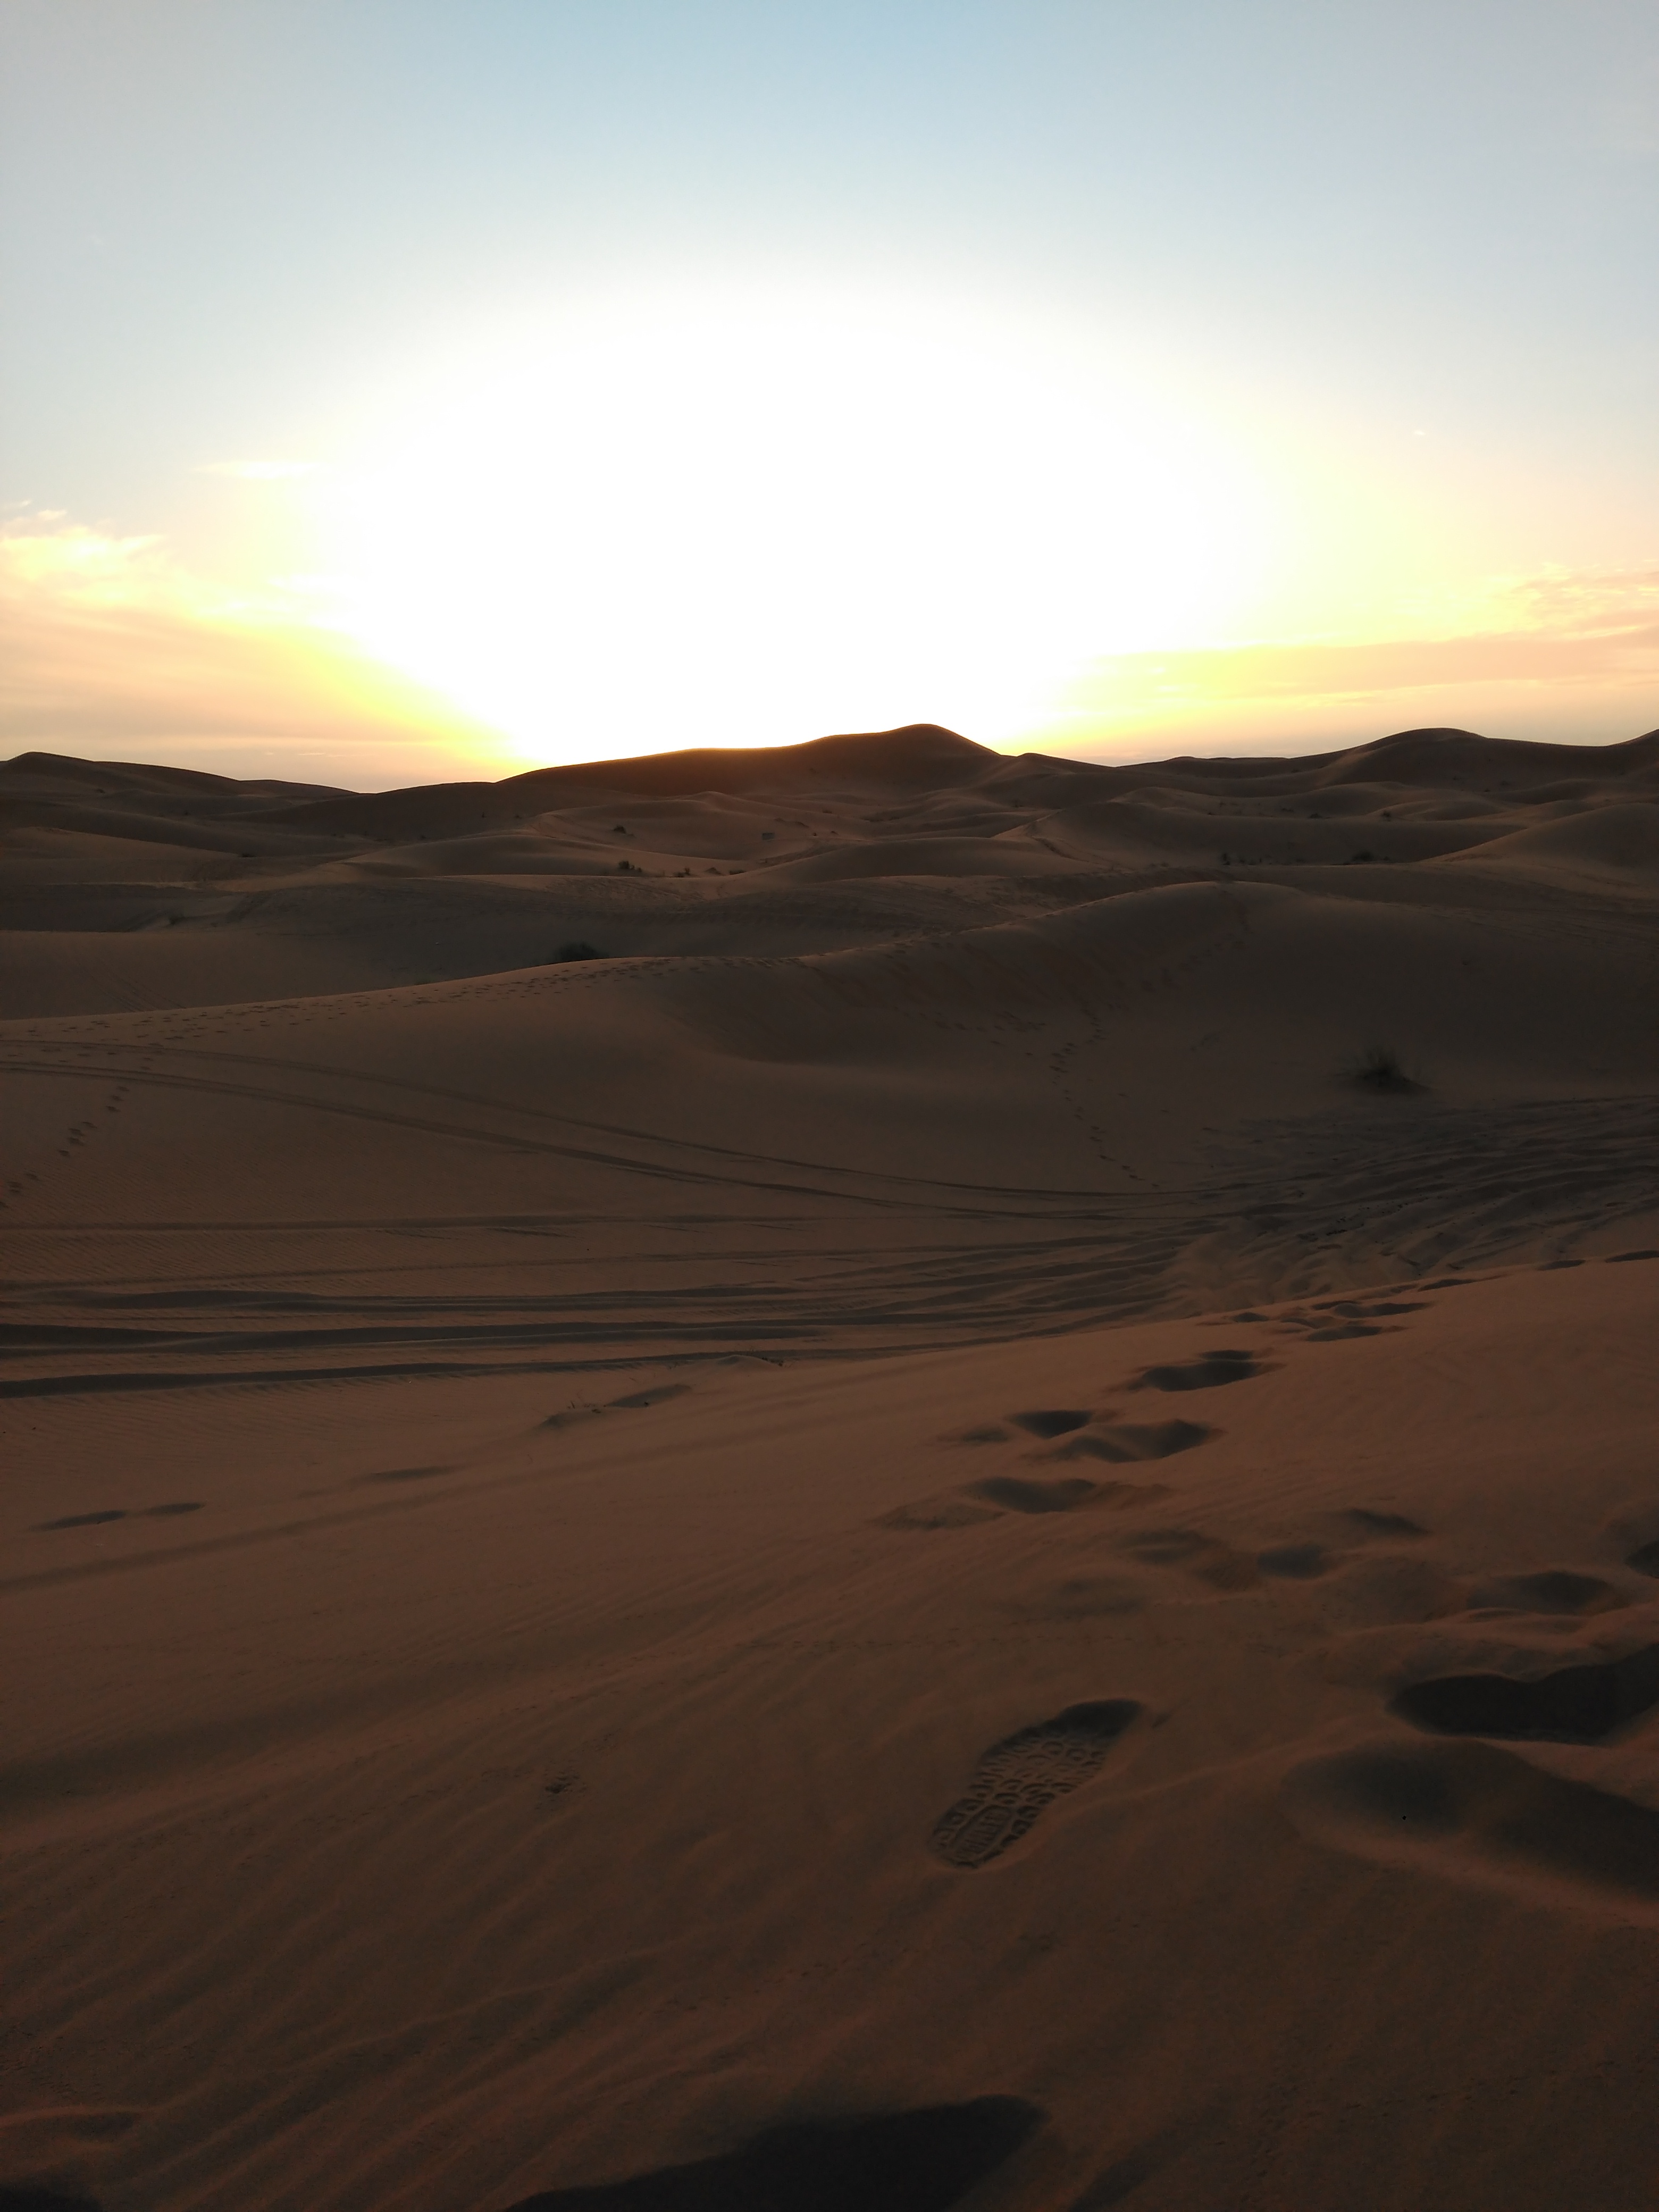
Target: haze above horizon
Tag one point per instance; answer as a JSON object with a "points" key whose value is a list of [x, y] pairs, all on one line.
{"points": [[413, 390]]}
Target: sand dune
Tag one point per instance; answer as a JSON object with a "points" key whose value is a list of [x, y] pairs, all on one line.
{"points": [[868, 1477]]}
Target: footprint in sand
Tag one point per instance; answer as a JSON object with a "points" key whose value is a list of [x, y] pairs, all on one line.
{"points": [[1364, 1520], [1634, 1533], [1192, 1552], [1389, 1591], [1339, 1319], [1085, 1438], [1079, 1597], [1018, 1777], [1119, 1441], [1014, 1493], [1553, 1590], [1474, 1811], [1369, 1308], [1091, 1436], [1057, 1421], [49, 2154], [1011, 1493], [1585, 1704], [917, 2161], [1207, 1372], [1386, 1587], [1299, 1563]]}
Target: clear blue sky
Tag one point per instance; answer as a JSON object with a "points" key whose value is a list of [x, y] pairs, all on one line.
{"points": [[1348, 312]]}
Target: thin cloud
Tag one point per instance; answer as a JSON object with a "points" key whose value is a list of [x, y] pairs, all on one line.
{"points": [[114, 651], [1568, 654]]}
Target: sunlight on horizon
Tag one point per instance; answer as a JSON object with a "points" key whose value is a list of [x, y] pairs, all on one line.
{"points": [[665, 526]]}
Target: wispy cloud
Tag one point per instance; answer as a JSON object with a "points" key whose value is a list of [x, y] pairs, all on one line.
{"points": [[115, 651], [1567, 653]]}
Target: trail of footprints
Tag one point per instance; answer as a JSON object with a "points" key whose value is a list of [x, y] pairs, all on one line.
{"points": [[1075, 1433], [1389, 1799], [1465, 1805]]}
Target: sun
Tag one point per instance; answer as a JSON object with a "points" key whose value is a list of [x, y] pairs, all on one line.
{"points": [[678, 523]]}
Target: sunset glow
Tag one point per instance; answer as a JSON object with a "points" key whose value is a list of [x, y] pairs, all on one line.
{"points": [[660, 526], [465, 387]]}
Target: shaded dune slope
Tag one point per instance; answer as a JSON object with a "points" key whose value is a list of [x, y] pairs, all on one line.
{"points": [[124, 887], [866, 1479]]}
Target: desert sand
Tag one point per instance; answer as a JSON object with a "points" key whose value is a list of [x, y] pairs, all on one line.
{"points": [[854, 1479]]}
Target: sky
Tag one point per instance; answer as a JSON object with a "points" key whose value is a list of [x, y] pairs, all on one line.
{"points": [[398, 390]]}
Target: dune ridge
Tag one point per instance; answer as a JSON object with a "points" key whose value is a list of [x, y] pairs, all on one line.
{"points": [[861, 1479]]}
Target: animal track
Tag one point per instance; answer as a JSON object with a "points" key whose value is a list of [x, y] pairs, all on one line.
{"points": [[1021, 1776], [1574, 1704]]}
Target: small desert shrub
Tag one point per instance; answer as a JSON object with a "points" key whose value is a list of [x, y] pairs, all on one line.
{"points": [[579, 951], [1379, 1068]]}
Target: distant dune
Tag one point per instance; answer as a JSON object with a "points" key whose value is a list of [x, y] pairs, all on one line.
{"points": [[855, 1478]]}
